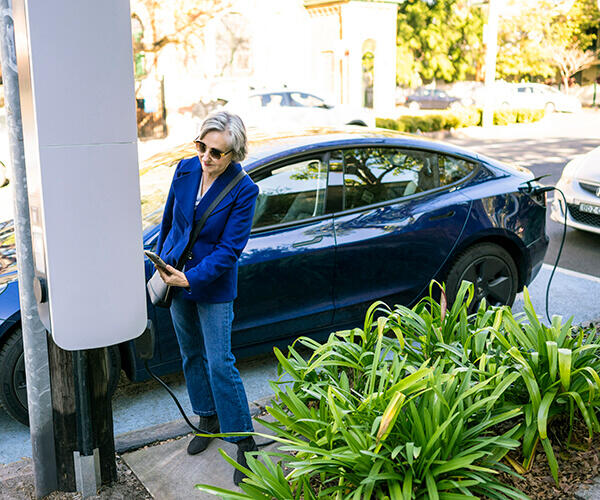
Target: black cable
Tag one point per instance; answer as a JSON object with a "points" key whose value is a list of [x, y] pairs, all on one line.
{"points": [[181, 410], [560, 249]]}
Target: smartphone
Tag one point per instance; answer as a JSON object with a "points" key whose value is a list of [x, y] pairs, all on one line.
{"points": [[156, 260]]}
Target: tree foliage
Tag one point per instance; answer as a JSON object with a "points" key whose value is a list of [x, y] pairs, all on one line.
{"points": [[539, 38], [438, 39], [178, 23]]}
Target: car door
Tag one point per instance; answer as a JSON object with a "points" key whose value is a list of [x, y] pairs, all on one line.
{"points": [[401, 216], [285, 280]]}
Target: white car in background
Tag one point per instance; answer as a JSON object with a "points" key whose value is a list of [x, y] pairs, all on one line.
{"points": [[539, 96], [293, 108], [580, 182]]}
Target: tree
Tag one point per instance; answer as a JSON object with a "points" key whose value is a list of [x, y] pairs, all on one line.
{"points": [[539, 38], [177, 23], [568, 40], [438, 39]]}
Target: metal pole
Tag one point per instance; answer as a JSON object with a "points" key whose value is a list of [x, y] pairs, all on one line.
{"points": [[491, 49], [34, 335]]}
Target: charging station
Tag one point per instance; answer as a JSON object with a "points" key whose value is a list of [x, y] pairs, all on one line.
{"points": [[75, 68]]}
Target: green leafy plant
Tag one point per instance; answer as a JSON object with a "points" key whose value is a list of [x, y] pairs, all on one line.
{"points": [[432, 329], [559, 371], [358, 421]]}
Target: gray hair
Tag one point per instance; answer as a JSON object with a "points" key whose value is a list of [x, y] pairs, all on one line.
{"points": [[224, 121]]}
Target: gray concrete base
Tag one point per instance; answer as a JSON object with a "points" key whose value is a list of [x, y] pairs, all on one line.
{"points": [[169, 473], [589, 492]]}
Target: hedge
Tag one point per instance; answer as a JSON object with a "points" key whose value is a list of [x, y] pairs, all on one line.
{"points": [[468, 117]]}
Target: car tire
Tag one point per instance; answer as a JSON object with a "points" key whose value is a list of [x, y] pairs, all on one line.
{"points": [[414, 106], [491, 269], [549, 108], [13, 389]]}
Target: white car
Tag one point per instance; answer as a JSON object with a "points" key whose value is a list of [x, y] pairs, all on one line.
{"points": [[292, 108], [539, 96], [580, 182]]}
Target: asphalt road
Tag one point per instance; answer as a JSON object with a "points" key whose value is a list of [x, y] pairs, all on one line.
{"points": [[545, 148]]}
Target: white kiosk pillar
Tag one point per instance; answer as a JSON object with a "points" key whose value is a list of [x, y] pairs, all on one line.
{"points": [[77, 94]]}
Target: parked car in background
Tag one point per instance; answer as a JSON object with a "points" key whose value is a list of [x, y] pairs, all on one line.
{"points": [[580, 182], [539, 96], [293, 108], [343, 217], [434, 99]]}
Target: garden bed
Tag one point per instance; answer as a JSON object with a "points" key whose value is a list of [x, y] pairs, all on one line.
{"points": [[435, 402]]}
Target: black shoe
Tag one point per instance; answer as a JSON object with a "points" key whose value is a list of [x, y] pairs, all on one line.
{"points": [[200, 443], [245, 445]]}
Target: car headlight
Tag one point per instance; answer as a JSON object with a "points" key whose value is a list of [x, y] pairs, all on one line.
{"points": [[568, 173]]}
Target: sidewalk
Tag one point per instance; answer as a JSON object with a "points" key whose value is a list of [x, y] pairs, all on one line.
{"points": [[169, 473]]}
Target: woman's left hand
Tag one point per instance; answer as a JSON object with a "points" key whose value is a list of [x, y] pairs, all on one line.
{"points": [[174, 277]]}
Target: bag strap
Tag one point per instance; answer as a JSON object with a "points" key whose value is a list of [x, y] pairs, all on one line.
{"points": [[198, 226]]}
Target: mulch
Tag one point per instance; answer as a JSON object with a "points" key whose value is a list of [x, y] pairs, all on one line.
{"points": [[576, 468]]}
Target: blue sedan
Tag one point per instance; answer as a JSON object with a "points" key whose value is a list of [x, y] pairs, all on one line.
{"points": [[344, 217]]}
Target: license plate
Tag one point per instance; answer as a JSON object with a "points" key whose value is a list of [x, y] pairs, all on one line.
{"points": [[590, 209]]}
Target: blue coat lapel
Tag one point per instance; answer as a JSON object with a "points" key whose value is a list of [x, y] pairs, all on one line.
{"points": [[217, 186], [185, 187]]}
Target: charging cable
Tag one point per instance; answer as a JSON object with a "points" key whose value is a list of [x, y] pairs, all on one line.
{"points": [[144, 345], [535, 190]]}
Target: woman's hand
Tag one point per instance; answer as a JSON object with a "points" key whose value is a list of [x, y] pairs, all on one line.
{"points": [[173, 277]]}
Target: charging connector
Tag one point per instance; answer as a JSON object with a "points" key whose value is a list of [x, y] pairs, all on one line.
{"points": [[535, 190]]}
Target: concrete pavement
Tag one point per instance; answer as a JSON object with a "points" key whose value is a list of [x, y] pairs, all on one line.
{"points": [[169, 473]]}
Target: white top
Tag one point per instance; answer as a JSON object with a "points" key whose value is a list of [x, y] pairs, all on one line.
{"points": [[199, 195]]}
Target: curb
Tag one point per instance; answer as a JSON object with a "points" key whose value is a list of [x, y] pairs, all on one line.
{"points": [[133, 440]]}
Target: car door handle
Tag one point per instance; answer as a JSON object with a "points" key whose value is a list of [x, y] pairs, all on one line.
{"points": [[442, 216], [316, 239]]}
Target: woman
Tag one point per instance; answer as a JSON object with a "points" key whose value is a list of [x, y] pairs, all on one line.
{"points": [[202, 306]]}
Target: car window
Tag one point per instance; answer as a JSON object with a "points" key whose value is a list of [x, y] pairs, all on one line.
{"points": [[375, 175], [453, 169], [271, 100], [305, 100], [291, 193]]}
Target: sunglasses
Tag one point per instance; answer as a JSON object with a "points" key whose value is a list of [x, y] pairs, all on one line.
{"points": [[214, 153]]}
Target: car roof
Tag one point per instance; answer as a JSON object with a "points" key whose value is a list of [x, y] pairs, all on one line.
{"points": [[269, 145], [265, 146]]}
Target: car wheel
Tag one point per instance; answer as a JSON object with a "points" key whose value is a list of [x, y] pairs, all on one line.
{"points": [[414, 106], [550, 107], [491, 269], [13, 387]]}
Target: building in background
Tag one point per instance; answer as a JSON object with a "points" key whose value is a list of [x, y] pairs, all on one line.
{"points": [[341, 50]]}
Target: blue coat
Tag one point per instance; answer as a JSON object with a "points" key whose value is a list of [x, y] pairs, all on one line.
{"points": [[212, 269]]}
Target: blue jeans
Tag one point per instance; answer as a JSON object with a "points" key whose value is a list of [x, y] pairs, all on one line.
{"points": [[213, 382]]}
